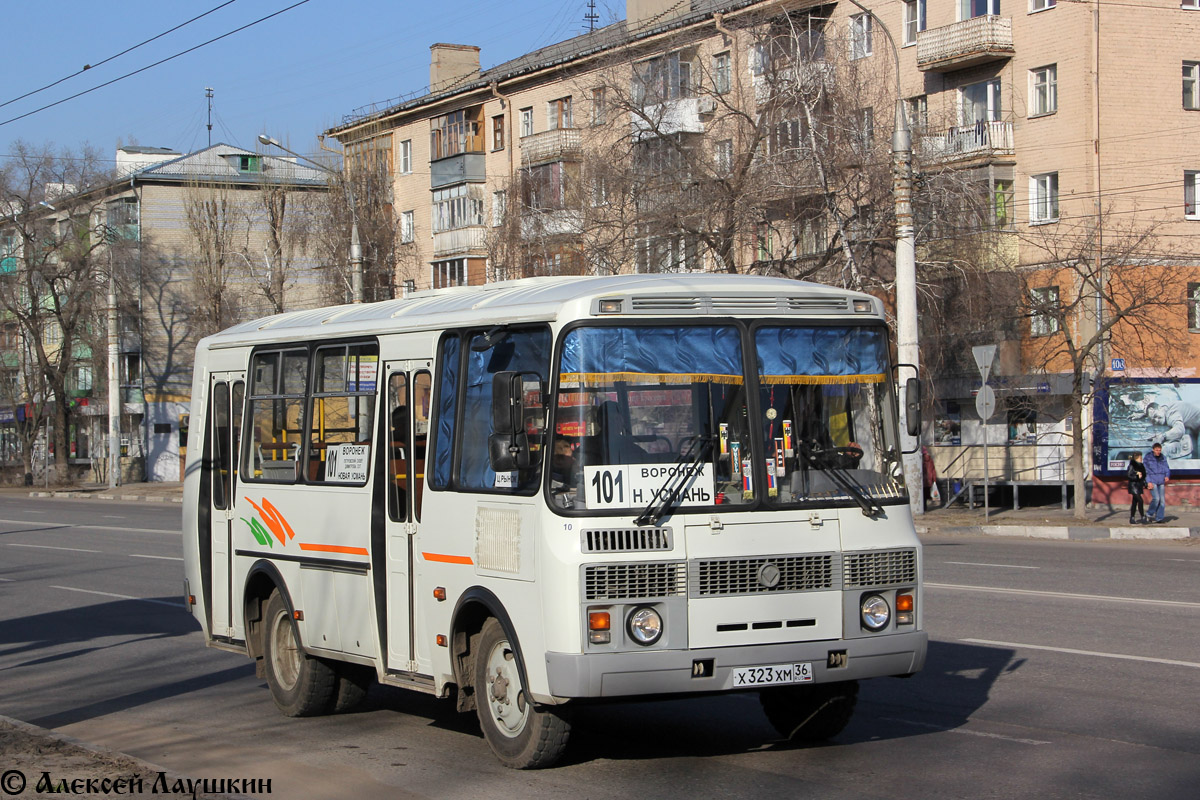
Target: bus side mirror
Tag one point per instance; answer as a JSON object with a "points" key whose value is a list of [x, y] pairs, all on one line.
{"points": [[912, 406], [508, 444]]}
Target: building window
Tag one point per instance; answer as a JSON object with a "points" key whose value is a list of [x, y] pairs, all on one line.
{"points": [[449, 273], [722, 73], [860, 36], [406, 227], [1043, 197], [1002, 203], [558, 114], [499, 208], [456, 133], [914, 20], [1189, 4], [1043, 90], [1191, 192], [1044, 309], [1042, 5], [599, 106], [249, 163], [550, 187], [671, 253], [918, 112], [456, 207], [661, 79], [979, 102], [526, 122], [406, 157], [723, 156], [1191, 81], [969, 9], [1193, 307], [498, 132], [864, 130]]}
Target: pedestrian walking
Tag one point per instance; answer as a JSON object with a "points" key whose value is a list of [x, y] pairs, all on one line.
{"points": [[1137, 485], [1158, 472]]}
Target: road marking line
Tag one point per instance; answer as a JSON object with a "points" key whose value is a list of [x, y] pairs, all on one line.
{"points": [[164, 558], [979, 564], [119, 596], [1068, 595], [1186, 560], [1070, 651], [8, 580], [113, 516], [56, 525], [966, 732], [44, 526], [51, 547]]}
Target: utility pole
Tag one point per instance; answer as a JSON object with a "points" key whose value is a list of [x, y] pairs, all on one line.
{"points": [[208, 92]]}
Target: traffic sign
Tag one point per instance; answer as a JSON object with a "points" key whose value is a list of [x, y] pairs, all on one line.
{"points": [[984, 354], [985, 402]]}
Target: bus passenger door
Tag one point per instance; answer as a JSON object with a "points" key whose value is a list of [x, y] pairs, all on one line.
{"points": [[226, 392], [408, 390]]}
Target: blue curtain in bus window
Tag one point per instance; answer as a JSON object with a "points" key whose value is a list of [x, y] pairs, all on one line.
{"points": [[709, 353], [522, 351], [447, 404], [821, 354]]}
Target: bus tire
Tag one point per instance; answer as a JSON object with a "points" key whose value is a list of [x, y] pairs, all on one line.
{"points": [[353, 683], [521, 734], [301, 685], [810, 713]]}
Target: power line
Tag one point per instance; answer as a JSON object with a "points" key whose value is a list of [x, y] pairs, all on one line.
{"points": [[86, 67], [155, 64]]}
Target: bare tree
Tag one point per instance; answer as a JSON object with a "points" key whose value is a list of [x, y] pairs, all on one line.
{"points": [[219, 232], [364, 195]]}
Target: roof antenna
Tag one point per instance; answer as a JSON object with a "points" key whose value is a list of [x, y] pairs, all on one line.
{"points": [[208, 92], [591, 18]]}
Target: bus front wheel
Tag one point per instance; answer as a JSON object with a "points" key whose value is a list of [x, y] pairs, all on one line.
{"points": [[521, 734], [301, 685], [810, 713]]}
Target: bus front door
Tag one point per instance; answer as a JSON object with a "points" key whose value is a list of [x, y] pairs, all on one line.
{"points": [[226, 392], [408, 390]]}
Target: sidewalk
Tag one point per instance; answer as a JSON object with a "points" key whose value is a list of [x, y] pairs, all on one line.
{"points": [[159, 492], [1052, 522]]}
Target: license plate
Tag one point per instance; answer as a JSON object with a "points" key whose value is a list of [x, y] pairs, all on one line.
{"points": [[771, 674]]}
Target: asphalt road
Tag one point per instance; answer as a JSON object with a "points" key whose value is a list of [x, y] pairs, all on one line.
{"points": [[1056, 669]]}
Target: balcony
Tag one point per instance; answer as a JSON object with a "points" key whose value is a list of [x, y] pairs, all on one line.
{"points": [[456, 169], [965, 44], [561, 144], [460, 241], [536, 224], [983, 140], [671, 117]]}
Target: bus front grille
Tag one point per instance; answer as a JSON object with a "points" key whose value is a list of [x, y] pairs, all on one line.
{"points": [[742, 576], [634, 581], [625, 540], [880, 568]]}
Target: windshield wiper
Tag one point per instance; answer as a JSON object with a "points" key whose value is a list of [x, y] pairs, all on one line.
{"points": [[820, 459], [664, 499]]}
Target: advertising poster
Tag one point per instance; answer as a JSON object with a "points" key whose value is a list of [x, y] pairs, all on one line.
{"points": [[1142, 412]]}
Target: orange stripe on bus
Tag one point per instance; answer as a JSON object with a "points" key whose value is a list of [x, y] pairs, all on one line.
{"points": [[447, 559], [335, 548]]}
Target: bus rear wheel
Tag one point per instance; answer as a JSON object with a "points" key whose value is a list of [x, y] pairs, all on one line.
{"points": [[811, 713], [521, 734], [301, 685]]}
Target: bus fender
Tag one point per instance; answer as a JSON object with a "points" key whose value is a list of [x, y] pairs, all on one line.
{"points": [[262, 578], [474, 606]]}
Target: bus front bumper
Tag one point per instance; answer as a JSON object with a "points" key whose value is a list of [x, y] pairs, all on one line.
{"points": [[713, 670]]}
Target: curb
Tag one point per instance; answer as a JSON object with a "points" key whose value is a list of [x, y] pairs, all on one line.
{"points": [[1064, 532], [105, 752], [127, 498]]}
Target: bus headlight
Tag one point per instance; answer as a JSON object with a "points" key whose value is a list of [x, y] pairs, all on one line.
{"points": [[875, 612], [645, 626]]}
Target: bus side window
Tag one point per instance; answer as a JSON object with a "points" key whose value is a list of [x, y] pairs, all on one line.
{"points": [[222, 469], [442, 435], [422, 386], [400, 454]]}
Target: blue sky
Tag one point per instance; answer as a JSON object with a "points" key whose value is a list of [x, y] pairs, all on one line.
{"points": [[291, 76]]}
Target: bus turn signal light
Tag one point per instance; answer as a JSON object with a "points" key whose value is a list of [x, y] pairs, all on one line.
{"points": [[298, 615], [439, 594], [904, 609], [599, 627]]}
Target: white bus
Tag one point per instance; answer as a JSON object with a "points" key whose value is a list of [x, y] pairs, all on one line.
{"points": [[530, 494]]}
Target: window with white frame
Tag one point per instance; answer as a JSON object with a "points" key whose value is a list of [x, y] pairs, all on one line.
{"points": [[676, 252], [1191, 193], [1043, 197], [723, 156], [1044, 310], [1042, 5], [456, 207], [1043, 90], [498, 132], [405, 157], [558, 114], [599, 106], [667, 77], [722, 73], [499, 207], [1193, 307], [527, 122], [918, 112], [406, 227], [914, 20], [1191, 85], [860, 36], [969, 9], [864, 130], [1189, 4], [452, 272], [979, 102]]}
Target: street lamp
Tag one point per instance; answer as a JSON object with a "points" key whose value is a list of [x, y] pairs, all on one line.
{"points": [[114, 357], [356, 257], [907, 351]]}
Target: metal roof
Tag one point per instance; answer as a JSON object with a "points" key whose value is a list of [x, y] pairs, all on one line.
{"points": [[214, 163]]}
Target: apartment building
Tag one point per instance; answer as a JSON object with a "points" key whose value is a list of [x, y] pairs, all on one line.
{"points": [[182, 233], [1069, 119]]}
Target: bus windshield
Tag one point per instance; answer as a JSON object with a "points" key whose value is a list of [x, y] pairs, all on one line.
{"points": [[643, 409]]}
